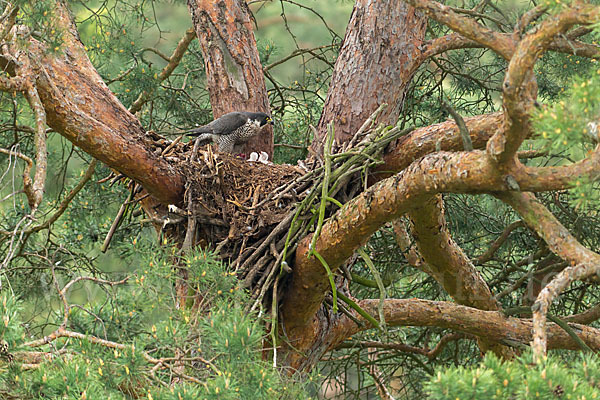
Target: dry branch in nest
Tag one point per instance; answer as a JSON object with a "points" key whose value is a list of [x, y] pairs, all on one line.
{"points": [[255, 214]]}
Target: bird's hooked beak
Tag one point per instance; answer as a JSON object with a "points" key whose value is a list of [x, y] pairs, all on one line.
{"points": [[270, 120]]}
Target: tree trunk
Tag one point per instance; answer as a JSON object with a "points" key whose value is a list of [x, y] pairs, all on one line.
{"points": [[381, 45], [235, 80]]}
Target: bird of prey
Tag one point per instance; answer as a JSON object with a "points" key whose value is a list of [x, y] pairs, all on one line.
{"points": [[232, 128]]}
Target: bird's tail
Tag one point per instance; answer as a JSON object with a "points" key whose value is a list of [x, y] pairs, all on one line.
{"points": [[198, 131]]}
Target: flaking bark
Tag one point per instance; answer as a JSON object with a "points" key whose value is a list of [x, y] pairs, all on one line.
{"points": [[381, 44], [235, 80]]}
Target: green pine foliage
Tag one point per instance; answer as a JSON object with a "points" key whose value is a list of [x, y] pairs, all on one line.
{"points": [[220, 348], [569, 126], [519, 379]]}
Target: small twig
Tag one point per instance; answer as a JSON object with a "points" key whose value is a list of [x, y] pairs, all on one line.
{"points": [[405, 348], [352, 304], [118, 219], [462, 127], [373, 370], [498, 242], [381, 287], [173, 62], [26, 170], [171, 145], [295, 53], [290, 146], [67, 200]]}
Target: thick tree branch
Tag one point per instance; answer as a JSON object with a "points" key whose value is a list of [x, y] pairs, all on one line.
{"points": [[575, 47], [455, 41], [445, 136], [531, 47], [449, 265], [352, 225], [520, 88], [81, 107], [452, 41], [408, 247], [492, 325], [466, 26], [586, 317], [35, 192]]}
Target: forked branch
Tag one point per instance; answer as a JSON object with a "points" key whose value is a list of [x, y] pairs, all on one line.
{"points": [[584, 261]]}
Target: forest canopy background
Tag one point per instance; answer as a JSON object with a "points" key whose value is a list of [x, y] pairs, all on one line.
{"points": [[453, 278]]}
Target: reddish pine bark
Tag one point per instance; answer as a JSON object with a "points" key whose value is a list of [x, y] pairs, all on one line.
{"points": [[82, 108], [375, 66], [235, 80]]}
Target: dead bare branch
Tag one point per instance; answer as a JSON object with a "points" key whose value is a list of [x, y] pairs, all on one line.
{"points": [[173, 62]]}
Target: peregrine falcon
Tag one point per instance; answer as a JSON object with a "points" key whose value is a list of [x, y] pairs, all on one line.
{"points": [[232, 128]]}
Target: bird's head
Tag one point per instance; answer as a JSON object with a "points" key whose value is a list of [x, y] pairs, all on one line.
{"points": [[262, 119]]}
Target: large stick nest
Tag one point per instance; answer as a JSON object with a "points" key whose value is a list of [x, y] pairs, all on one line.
{"points": [[254, 214], [244, 195]]}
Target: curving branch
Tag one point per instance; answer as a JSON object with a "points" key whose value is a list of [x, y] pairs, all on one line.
{"points": [[357, 220], [455, 41], [444, 136], [587, 317], [584, 261], [466, 26], [449, 265], [79, 106], [62, 207], [520, 87], [35, 192]]}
